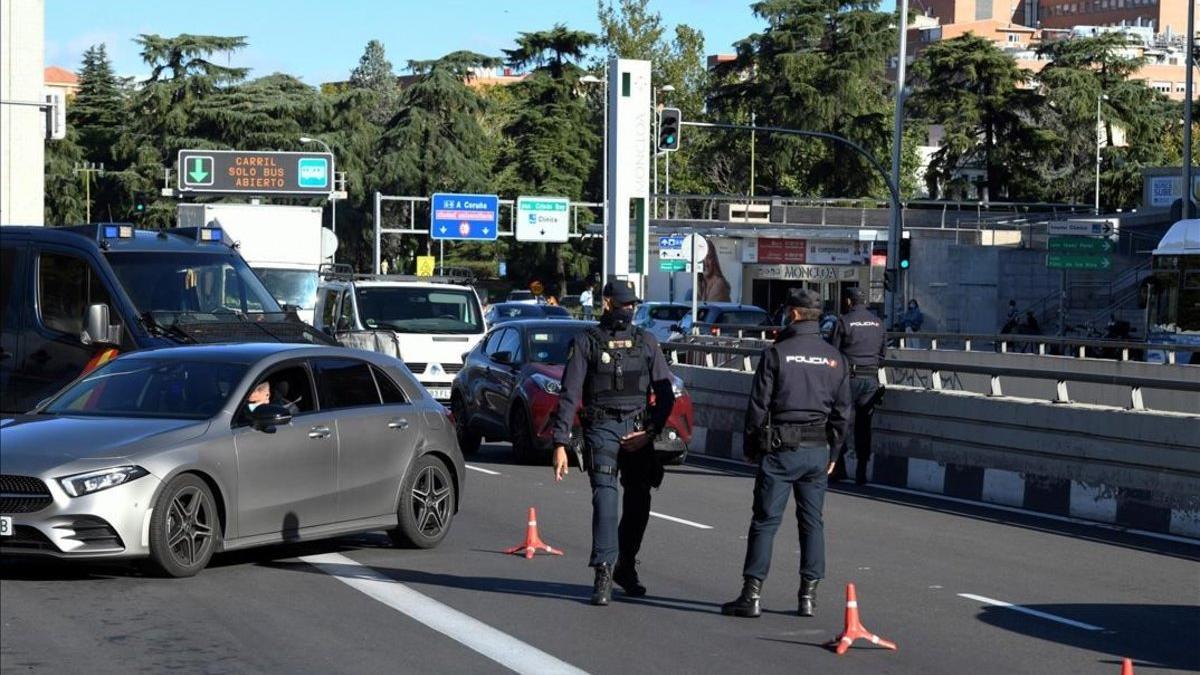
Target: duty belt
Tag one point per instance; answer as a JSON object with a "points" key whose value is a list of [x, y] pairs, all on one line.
{"points": [[599, 413], [792, 435], [855, 371]]}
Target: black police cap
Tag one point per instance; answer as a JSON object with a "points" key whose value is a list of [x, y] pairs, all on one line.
{"points": [[803, 298], [620, 291]]}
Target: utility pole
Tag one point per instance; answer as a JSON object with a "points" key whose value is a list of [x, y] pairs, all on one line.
{"points": [[87, 169], [1187, 109], [896, 225]]}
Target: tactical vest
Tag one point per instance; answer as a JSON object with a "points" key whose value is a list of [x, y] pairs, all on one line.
{"points": [[619, 372]]}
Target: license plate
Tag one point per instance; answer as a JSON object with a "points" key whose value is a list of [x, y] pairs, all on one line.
{"points": [[440, 393], [6, 528]]}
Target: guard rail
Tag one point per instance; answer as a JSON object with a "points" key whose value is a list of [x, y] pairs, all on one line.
{"points": [[744, 359]]}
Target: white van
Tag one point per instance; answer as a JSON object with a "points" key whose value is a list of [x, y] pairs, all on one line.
{"points": [[428, 324]]}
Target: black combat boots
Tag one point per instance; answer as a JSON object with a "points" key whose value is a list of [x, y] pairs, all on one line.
{"points": [[602, 589], [626, 576], [808, 596], [746, 604]]}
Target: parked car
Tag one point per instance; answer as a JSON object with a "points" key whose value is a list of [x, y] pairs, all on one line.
{"points": [[714, 315], [512, 311], [526, 297], [175, 454], [509, 386], [427, 324], [74, 297], [658, 317]]}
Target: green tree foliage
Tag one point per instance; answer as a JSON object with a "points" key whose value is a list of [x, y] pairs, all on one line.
{"points": [[269, 113], [974, 92], [1098, 71], [556, 142], [819, 65], [435, 142], [98, 110], [164, 114], [374, 72], [65, 192]]}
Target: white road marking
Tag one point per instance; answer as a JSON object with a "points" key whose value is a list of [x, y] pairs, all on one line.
{"points": [[1031, 612], [681, 521], [986, 505], [469, 631], [482, 470]]}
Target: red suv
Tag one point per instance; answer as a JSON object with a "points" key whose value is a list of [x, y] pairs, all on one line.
{"points": [[508, 389]]}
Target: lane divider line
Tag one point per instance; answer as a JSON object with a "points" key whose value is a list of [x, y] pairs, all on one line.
{"points": [[482, 470], [681, 521], [1031, 612], [498, 646]]}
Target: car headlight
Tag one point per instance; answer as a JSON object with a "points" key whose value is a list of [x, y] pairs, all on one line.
{"points": [[546, 384], [677, 386], [94, 481]]}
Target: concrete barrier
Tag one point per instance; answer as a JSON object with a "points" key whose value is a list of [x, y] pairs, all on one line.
{"points": [[1137, 469]]}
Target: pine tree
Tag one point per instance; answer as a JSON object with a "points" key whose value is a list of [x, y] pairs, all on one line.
{"points": [[374, 72], [98, 110], [555, 139]]}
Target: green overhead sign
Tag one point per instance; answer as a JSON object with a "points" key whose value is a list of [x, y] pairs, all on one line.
{"points": [[1069, 244], [670, 265], [1080, 261]]}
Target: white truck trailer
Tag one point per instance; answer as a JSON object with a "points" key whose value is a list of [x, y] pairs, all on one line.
{"points": [[284, 245]]}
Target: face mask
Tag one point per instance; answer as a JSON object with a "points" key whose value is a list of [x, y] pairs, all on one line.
{"points": [[252, 406], [623, 315]]}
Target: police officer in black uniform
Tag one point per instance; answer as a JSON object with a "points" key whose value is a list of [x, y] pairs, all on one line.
{"points": [[612, 368], [859, 334], [798, 412]]}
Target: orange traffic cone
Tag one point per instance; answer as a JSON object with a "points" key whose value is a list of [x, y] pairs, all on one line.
{"points": [[533, 542], [1127, 667], [854, 628]]}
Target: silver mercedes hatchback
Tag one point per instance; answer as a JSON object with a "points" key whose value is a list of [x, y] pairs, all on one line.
{"points": [[175, 454]]}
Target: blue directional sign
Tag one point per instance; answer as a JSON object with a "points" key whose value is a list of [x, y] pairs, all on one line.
{"points": [[454, 216]]}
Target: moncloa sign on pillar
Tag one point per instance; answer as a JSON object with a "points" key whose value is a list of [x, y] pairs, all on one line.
{"points": [[628, 157]]}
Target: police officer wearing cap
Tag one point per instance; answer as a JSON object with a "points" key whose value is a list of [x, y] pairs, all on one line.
{"points": [[860, 336], [799, 404], [612, 368]]}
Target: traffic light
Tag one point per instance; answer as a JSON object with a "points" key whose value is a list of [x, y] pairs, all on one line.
{"points": [[905, 253], [668, 129]]}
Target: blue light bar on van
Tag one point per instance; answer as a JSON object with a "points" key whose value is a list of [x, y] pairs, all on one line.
{"points": [[115, 231], [210, 234]]}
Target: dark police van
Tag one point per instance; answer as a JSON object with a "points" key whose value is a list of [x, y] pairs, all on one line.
{"points": [[72, 298]]}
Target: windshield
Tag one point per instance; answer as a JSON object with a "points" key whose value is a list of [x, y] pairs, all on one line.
{"points": [[419, 310], [1174, 306], [292, 287], [504, 312], [193, 390], [550, 345], [198, 283]]}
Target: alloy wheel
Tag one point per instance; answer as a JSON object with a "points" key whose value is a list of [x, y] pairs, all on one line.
{"points": [[190, 524], [431, 501]]}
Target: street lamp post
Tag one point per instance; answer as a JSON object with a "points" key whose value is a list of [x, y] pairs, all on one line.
{"points": [[590, 80], [333, 177], [1099, 141]]}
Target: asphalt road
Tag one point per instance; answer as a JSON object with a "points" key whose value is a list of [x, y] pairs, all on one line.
{"points": [[355, 605]]}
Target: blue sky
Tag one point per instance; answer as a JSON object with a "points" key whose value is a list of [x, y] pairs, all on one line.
{"points": [[322, 40]]}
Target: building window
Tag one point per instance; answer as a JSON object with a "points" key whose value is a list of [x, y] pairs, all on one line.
{"points": [[1014, 38]]}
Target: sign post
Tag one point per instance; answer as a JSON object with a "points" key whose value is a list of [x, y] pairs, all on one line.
{"points": [[1083, 244], [258, 173], [544, 219], [697, 247], [462, 216]]}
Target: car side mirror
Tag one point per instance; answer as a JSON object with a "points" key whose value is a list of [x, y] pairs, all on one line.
{"points": [[267, 416], [504, 358], [96, 328]]}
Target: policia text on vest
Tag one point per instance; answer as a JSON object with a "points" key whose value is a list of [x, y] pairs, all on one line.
{"points": [[612, 368]]}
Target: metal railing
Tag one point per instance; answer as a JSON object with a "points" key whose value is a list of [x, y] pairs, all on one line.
{"points": [[745, 359], [1036, 344]]}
